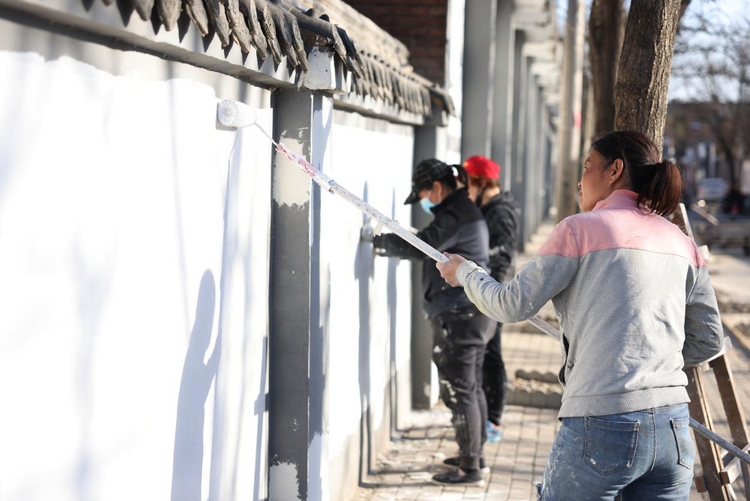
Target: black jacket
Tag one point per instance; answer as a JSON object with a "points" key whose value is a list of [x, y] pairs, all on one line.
{"points": [[458, 228], [502, 215]]}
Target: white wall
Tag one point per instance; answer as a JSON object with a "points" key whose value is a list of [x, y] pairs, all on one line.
{"points": [[369, 325], [134, 267], [133, 257]]}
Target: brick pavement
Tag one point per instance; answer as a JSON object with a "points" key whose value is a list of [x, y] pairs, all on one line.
{"points": [[517, 463]]}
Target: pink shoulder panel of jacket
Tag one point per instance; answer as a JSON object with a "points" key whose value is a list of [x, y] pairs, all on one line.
{"points": [[608, 226]]}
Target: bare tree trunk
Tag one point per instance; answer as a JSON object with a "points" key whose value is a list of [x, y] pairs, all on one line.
{"points": [[645, 64], [606, 30], [569, 138]]}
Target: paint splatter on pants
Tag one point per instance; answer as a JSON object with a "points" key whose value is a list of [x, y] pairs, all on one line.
{"points": [[494, 380], [639, 455], [458, 352]]}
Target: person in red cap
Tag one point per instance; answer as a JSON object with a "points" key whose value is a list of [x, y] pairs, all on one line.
{"points": [[502, 214]]}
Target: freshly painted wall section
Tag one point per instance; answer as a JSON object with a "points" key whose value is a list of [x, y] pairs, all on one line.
{"points": [[368, 324], [134, 263]]}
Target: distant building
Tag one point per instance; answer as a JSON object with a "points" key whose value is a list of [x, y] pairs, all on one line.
{"points": [[691, 137]]}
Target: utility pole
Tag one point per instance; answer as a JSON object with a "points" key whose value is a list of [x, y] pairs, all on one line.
{"points": [[570, 111]]}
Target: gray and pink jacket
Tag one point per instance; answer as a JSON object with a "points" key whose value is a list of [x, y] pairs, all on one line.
{"points": [[634, 301]]}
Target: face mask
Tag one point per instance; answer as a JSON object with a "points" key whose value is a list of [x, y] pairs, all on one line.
{"points": [[480, 195], [427, 204]]}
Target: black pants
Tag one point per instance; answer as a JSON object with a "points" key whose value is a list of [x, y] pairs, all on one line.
{"points": [[495, 379], [459, 346]]}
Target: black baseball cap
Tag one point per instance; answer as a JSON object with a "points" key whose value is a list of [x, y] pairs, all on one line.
{"points": [[427, 172]]}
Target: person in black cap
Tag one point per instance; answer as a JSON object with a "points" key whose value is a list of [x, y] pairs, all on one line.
{"points": [[460, 331]]}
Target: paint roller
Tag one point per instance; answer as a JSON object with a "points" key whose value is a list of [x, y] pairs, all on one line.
{"points": [[239, 115], [234, 114]]}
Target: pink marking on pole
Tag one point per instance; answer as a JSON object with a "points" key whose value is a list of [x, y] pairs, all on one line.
{"points": [[309, 169]]}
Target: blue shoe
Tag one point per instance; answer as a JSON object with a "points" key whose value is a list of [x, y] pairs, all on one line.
{"points": [[494, 433]]}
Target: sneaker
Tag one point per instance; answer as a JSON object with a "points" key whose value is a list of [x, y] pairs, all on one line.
{"points": [[460, 477], [454, 463], [494, 433]]}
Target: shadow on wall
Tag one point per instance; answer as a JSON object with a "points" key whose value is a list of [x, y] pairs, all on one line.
{"points": [[261, 404], [231, 249], [320, 280], [197, 377], [364, 264], [364, 273], [225, 455], [319, 337]]}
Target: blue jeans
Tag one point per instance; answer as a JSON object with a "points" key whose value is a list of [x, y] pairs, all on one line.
{"points": [[639, 455]]}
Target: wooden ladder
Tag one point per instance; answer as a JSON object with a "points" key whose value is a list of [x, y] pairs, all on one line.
{"points": [[719, 470]]}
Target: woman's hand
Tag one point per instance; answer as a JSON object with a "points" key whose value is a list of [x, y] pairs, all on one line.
{"points": [[448, 268]]}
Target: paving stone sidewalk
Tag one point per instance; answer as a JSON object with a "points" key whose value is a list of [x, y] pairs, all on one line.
{"points": [[517, 463]]}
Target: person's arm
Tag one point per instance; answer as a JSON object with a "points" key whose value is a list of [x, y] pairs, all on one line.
{"points": [[703, 330], [438, 234], [392, 245], [551, 271]]}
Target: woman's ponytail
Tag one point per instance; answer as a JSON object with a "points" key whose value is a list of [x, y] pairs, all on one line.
{"points": [[462, 176], [658, 185], [456, 178]]}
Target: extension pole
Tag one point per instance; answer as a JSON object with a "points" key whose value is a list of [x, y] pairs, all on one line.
{"points": [[234, 114], [332, 186], [726, 444]]}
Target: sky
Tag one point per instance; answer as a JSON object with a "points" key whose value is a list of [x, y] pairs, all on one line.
{"points": [[722, 10]]}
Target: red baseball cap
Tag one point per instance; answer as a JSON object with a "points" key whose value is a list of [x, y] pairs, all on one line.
{"points": [[482, 167]]}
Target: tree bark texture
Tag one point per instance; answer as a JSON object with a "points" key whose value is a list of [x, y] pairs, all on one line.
{"points": [[645, 64], [606, 30], [569, 139]]}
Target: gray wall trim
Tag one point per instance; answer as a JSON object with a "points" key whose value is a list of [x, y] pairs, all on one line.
{"points": [[92, 21], [518, 133], [291, 281], [426, 145], [365, 122], [502, 108], [529, 157], [374, 108], [479, 65], [541, 146], [299, 301]]}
